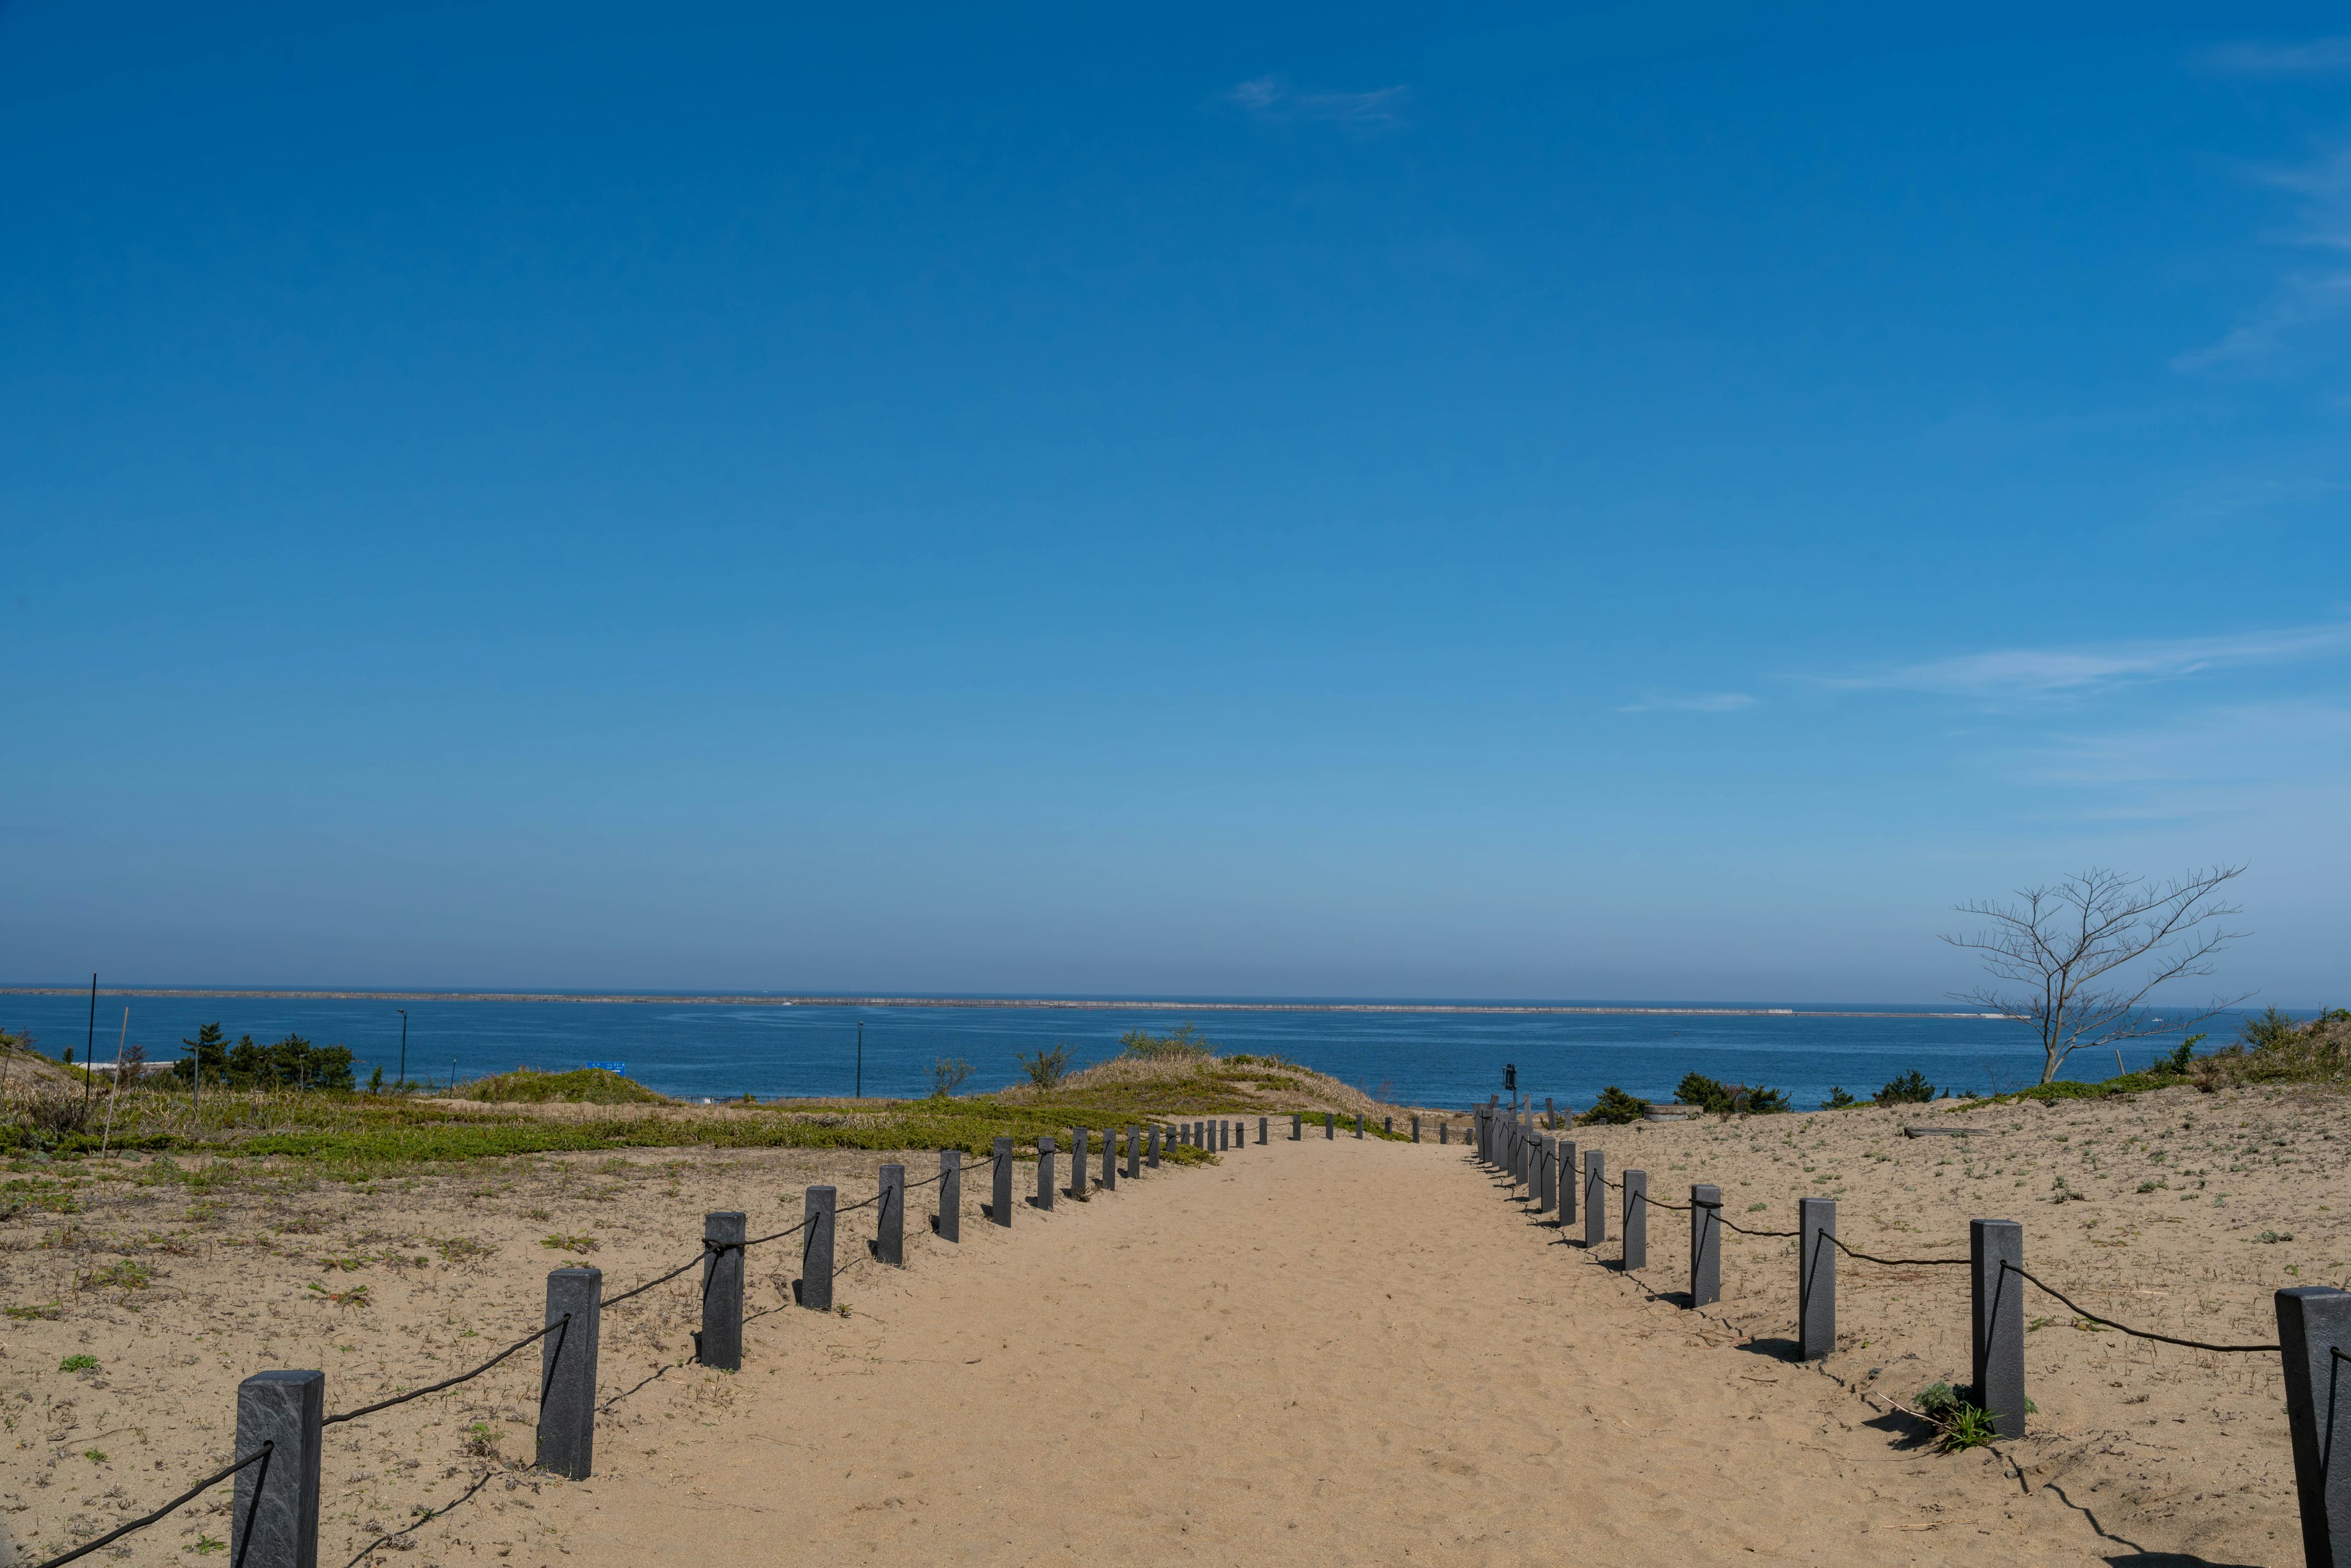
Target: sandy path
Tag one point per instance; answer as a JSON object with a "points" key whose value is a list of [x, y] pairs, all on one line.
{"points": [[1356, 1349]]}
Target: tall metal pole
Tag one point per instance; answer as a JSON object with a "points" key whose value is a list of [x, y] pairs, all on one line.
{"points": [[91, 1047], [403, 1046], [860, 1059]]}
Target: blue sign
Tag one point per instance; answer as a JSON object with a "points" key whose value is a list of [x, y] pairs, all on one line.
{"points": [[609, 1066]]}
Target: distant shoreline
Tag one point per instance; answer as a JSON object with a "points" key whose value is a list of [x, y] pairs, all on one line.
{"points": [[1041, 1003]]}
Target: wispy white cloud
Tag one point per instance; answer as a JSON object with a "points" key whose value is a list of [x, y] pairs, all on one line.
{"points": [[1272, 99], [2311, 297], [2304, 57], [1704, 702], [2024, 673]]}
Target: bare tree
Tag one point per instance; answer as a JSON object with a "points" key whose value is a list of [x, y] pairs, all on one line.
{"points": [[2058, 957]]}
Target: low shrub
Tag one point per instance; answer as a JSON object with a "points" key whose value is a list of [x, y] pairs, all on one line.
{"points": [[1910, 1089], [583, 1085], [1612, 1109], [1728, 1099], [1046, 1069], [1184, 1042], [1838, 1100], [947, 1075]]}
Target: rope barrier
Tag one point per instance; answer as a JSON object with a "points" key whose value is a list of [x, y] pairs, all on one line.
{"points": [[449, 1381], [663, 1280], [1730, 1225], [779, 1235], [1900, 1263], [2007, 1267], [384, 1540], [262, 1453]]}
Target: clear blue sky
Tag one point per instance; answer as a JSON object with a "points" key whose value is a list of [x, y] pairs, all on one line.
{"points": [[1512, 501]]}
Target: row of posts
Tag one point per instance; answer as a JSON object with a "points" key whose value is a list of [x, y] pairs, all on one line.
{"points": [[2314, 1321]]}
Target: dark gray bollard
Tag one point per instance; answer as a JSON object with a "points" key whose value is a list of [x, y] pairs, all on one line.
{"points": [[1388, 1125], [1110, 1159], [1551, 1116], [1224, 1136], [1567, 1169], [276, 1516], [1134, 1136], [949, 1224], [1815, 1277], [1263, 1123], [720, 1342], [890, 1223], [567, 1373], [1297, 1126], [1151, 1151], [1078, 1164], [1330, 1126], [1045, 1172], [1546, 1174], [1445, 1131], [2315, 1339], [1596, 1198], [1359, 1124], [1996, 1321], [999, 1196], [1637, 1221], [816, 1212], [1416, 1129], [1706, 1245]]}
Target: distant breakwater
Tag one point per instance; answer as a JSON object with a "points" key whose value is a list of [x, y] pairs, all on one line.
{"points": [[1093, 1004]]}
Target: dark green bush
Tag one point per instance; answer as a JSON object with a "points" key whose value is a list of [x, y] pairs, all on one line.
{"points": [[1728, 1099], [1613, 1109], [1910, 1089], [1838, 1100]]}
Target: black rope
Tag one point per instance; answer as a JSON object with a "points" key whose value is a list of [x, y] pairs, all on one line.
{"points": [[779, 1235], [649, 1284], [2142, 1334], [1900, 1263], [165, 1512], [382, 1540], [1729, 1225], [854, 1208], [448, 1382], [260, 1480]]}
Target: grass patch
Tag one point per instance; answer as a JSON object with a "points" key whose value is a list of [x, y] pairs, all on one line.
{"points": [[585, 1085]]}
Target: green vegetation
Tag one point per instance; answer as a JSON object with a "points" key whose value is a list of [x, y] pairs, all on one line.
{"points": [[289, 1063], [1613, 1109], [1838, 1100], [947, 1075], [1183, 1042], [78, 1364], [1910, 1089], [583, 1085], [1728, 1099], [1046, 1069], [1961, 1423]]}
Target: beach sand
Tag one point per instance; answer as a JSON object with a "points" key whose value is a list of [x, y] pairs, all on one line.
{"points": [[1361, 1350]]}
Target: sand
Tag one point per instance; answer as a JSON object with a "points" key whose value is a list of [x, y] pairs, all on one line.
{"points": [[1362, 1350]]}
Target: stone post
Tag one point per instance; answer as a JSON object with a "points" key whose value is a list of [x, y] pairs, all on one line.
{"points": [[1444, 1133], [1297, 1126], [1133, 1152], [1044, 1198], [1567, 1168], [1637, 1221], [1815, 1277], [1359, 1124], [274, 1521], [1151, 1151], [1546, 1174], [1110, 1159], [1330, 1126], [999, 1196], [1706, 1245], [1078, 1164], [949, 1223], [720, 1342], [889, 1221], [1596, 1198], [1416, 1129], [1261, 1125], [567, 1373], [817, 1211], [1996, 1318], [1550, 1116], [2315, 1339]]}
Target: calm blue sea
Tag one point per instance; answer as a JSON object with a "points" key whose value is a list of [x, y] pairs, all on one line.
{"points": [[698, 1049]]}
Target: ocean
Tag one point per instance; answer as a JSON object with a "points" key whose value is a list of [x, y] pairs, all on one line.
{"points": [[696, 1050]]}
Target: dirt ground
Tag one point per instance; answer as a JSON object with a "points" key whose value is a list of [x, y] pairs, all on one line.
{"points": [[1365, 1349]]}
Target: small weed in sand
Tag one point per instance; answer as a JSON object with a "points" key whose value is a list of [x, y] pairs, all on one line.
{"points": [[2272, 1236], [1960, 1424], [94, 1456], [481, 1441], [47, 1310], [78, 1364], [206, 1545], [128, 1275], [357, 1296], [458, 1249], [570, 1243]]}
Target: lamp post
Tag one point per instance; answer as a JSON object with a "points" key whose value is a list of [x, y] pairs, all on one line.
{"points": [[403, 1047]]}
